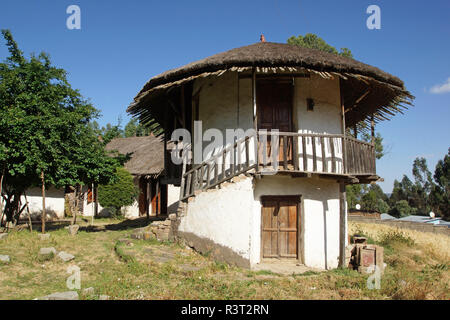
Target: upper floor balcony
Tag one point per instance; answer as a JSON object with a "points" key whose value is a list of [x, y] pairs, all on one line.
{"points": [[298, 154]]}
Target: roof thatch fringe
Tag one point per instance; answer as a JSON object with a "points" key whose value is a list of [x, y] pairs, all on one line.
{"points": [[146, 154], [388, 97]]}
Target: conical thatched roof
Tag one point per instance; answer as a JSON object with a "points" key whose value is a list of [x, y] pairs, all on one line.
{"points": [[387, 93], [146, 153]]}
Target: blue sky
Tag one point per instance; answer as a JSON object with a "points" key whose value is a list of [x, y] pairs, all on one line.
{"points": [[122, 44]]}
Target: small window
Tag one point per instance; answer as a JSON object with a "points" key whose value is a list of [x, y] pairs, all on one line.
{"points": [[310, 104]]}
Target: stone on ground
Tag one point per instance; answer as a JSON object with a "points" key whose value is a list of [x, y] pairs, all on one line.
{"points": [[47, 253], [88, 291], [73, 229], [5, 258], [68, 295], [64, 256], [103, 297], [188, 268], [44, 236]]}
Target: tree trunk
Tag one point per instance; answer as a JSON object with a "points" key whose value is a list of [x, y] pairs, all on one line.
{"points": [[1, 190], [43, 216], [77, 204], [28, 212]]}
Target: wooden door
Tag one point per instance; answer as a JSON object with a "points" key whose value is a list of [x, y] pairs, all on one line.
{"points": [[274, 100], [143, 199], [280, 226]]}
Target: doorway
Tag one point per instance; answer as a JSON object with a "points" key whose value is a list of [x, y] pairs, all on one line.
{"points": [[280, 227], [274, 98]]}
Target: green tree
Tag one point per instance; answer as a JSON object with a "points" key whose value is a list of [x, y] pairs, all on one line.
{"points": [[312, 41], [423, 184], [440, 193], [118, 194], [44, 136], [401, 209]]}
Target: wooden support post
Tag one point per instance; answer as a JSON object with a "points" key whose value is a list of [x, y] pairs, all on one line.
{"points": [[372, 128], [344, 140], [43, 202], [1, 193], [148, 199], [255, 115], [342, 223]]}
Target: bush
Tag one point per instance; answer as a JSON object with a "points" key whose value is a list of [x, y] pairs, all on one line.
{"points": [[401, 209], [396, 236], [119, 194]]}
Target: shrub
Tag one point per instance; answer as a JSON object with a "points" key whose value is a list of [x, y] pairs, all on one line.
{"points": [[396, 236], [118, 194], [401, 209]]}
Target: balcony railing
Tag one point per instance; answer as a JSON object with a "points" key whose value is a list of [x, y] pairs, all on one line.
{"points": [[284, 152]]}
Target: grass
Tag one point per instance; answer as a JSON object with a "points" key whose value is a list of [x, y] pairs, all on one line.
{"points": [[417, 268]]}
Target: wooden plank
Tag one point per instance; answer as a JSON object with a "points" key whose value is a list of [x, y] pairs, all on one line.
{"points": [[188, 185], [194, 181], [285, 153], [324, 158], [224, 157], [247, 153], [313, 139], [216, 171], [295, 153], [200, 179], [305, 157], [239, 156], [333, 156], [208, 174], [264, 152]]}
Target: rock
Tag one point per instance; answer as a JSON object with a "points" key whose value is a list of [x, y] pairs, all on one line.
{"points": [[44, 236], [125, 241], [64, 256], [3, 236], [73, 229], [5, 258], [162, 235], [188, 268], [103, 297], [172, 216], [137, 235], [147, 235], [47, 253], [88, 291], [68, 295]]}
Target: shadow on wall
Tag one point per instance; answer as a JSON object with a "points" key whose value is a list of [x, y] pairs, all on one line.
{"points": [[36, 215], [172, 208]]}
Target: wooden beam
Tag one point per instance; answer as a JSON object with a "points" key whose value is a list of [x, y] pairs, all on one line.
{"points": [[342, 224]]}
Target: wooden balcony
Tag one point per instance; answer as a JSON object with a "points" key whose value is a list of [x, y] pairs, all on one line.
{"points": [[298, 154]]}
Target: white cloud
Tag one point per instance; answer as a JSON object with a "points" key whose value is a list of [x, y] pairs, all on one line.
{"points": [[441, 88]]}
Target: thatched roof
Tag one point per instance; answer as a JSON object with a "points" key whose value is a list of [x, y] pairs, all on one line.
{"points": [[387, 93], [147, 158]]}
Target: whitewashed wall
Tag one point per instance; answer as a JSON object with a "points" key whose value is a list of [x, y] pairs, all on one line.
{"points": [[231, 217], [224, 216], [226, 102], [320, 216], [54, 202], [173, 195]]}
